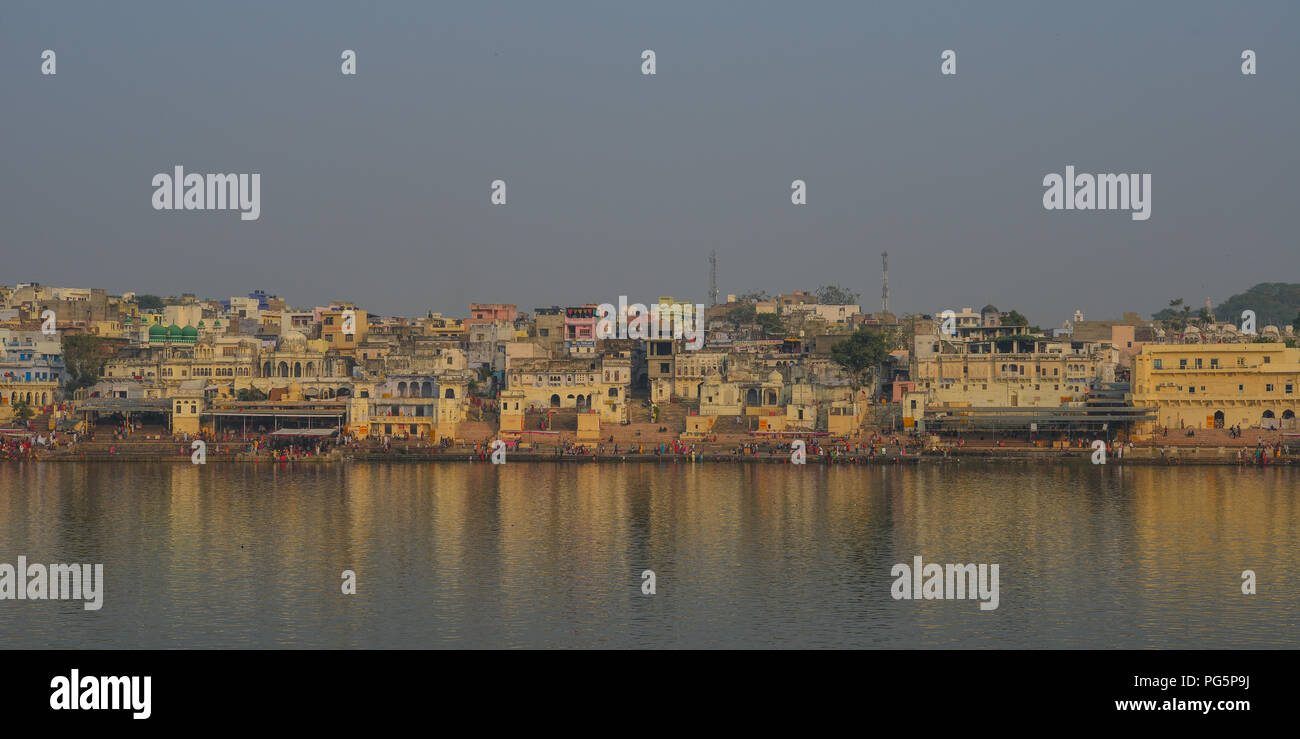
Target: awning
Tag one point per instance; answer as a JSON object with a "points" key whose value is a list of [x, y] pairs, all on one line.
{"points": [[306, 432]]}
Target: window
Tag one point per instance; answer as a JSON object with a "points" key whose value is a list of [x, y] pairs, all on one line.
{"points": [[1289, 388], [1241, 361], [1198, 363], [1159, 364], [1182, 364], [1214, 363], [1267, 359], [1241, 388], [1268, 388]]}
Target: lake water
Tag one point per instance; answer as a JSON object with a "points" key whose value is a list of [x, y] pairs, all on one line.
{"points": [[551, 554]]}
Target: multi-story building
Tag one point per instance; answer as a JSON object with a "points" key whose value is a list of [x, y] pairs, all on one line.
{"points": [[549, 325], [580, 331], [1218, 385], [570, 383], [1010, 372], [344, 327], [31, 369], [492, 313]]}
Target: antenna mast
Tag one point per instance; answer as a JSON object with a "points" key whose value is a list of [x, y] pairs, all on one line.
{"points": [[884, 287]]}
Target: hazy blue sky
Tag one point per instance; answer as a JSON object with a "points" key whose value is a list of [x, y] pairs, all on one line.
{"points": [[376, 187]]}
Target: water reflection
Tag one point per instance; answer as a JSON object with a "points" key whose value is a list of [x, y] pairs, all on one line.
{"points": [[530, 555]]}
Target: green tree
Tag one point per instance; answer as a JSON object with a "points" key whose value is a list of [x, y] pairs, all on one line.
{"points": [[1176, 315], [861, 354], [149, 302], [836, 295], [1015, 318], [251, 395], [84, 356], [771, 323], [741, 314], [23, 411], [1273, 303]]}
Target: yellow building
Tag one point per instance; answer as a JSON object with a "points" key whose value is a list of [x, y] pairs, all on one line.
{"points": [[339, 332], [1037, 373], [567, 383], [187, 405], [1218, 385]]}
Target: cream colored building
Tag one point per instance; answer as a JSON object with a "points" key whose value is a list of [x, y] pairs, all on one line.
{"points": [[1218, 385], [568, 383], [1040, 373]]}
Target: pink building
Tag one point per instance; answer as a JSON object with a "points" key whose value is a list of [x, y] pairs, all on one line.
{"points": [[580, 330]]}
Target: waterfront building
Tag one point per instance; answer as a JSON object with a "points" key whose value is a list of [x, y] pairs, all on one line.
{"points": [[1218, 385], [569, 383], [1034, 372]]}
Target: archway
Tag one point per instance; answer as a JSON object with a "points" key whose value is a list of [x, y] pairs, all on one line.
{"points": [[297, 369], [1269, 420], [450, 394], [283, 369], [426, 390], [1218, 419], [401, 389], [555, 401], [751, 397]]}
